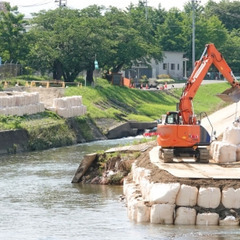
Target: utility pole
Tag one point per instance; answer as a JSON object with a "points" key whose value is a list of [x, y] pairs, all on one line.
{"points": [[146, 10], [193, 33], [62, 3]]}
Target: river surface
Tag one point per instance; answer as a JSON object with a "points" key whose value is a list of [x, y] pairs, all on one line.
{"points": [[39, 202]]}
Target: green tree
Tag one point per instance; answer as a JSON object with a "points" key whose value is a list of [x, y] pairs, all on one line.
{"points": [[131, 38], [64, 42], [13, 45], [172, 37], [231, 50], [227, 11]]}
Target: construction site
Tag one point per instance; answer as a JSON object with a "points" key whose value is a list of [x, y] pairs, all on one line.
{"points": [[191, 176]]}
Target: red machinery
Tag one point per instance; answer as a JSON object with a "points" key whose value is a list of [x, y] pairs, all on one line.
{"points": [[182, 134]]}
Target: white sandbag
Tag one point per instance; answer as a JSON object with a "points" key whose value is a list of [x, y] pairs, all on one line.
{"points": [[207, 219], [238, 153], [84, 109], [143, 212], [130, 192], [137, 174], [232, 135], [63, 112], [231, 198], [126, 185], [41, 107], [34, 97], [3, 111], [187, 196], [185, 216], [20, 111], [11, 111], [164, 192], [209, 197], [145, 187], [229, 221], [11, 101], [4, 101], [225, 153], [212, 146], [19, 100], [59, 103], [132, 210], [162, 213]]}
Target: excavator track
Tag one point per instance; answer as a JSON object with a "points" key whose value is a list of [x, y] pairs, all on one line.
{"points": [[166, 155], [202, 155]]}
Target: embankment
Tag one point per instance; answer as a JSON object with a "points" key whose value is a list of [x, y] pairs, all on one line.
{"points": [[154, 195]]}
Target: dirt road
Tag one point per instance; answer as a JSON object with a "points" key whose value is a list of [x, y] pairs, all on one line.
{"points": [[222, 119]]}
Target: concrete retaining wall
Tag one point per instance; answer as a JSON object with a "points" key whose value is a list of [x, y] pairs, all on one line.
{"points": [[175, 203], [130, 128]]}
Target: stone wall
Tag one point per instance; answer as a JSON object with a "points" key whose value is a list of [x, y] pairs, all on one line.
{"points": [[179, 204]]}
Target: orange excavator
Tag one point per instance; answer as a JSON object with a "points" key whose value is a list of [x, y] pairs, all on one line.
{"points": [[181, 135]]}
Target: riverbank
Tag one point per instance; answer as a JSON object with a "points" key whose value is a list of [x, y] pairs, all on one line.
{"points": [[110, 113], [153, 194]]}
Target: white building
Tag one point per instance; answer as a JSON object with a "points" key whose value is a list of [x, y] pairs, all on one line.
{"points": [[173, 64]]}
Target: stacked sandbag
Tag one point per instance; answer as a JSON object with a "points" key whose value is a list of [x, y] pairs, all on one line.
{"points": [[227, 150], [20, 103], [231, 198], [207, 219], [209, 197], [179, 204], [69, 106]]}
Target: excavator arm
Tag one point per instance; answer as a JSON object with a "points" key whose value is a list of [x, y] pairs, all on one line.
{"points": [[210, 56]]}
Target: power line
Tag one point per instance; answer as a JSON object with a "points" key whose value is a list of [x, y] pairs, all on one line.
{"points": [[35, 5]]}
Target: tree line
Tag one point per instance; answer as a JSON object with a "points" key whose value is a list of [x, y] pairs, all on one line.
{"points": [[64, 41]]}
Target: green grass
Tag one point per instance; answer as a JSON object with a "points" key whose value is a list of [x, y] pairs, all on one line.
{"points": [[108, 101]]}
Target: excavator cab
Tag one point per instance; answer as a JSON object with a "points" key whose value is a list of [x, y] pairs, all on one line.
{"points": [[172, 118]]}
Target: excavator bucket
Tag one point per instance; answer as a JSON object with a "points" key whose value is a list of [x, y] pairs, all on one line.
{"points": [[230, 95]]}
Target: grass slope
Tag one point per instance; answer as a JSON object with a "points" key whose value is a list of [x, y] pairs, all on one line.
{"points": [[108, 101]]}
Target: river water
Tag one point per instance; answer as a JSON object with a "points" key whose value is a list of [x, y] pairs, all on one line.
{"points": [[39, 202]]}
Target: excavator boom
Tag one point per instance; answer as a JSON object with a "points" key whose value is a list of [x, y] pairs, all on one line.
{"points": [[210, 56]]}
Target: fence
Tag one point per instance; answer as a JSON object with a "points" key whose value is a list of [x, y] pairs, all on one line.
{"points": [[9, 70]]}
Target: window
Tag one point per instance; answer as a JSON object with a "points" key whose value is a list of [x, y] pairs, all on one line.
{"points": [[178, 67], [172, 66], [164, 66]]}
